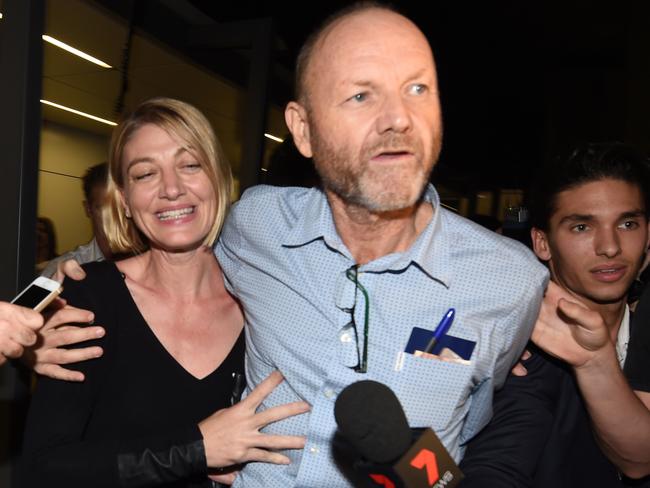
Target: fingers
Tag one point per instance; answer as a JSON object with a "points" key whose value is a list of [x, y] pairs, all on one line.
{"points": [[69, 268], [281, 412], [281, 441], [263, 456], [24, 316], [58, 373], [224, 479], [68, 315], [519, 370], [264, 389], [11, 349], [581, 314], [70, 335], [68, 356]]}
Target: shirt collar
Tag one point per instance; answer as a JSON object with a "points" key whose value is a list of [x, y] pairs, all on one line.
{"points": [[623, 337], [431, 251]]}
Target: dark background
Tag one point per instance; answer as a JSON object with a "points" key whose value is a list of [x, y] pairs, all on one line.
{"points": [[519, 80]]}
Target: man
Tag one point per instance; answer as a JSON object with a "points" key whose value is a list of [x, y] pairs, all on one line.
{"points": [[590, 226], [334, 281], [94, 188]]}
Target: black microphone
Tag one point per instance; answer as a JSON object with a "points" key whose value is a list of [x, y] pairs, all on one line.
{"points": [[372, 420]]}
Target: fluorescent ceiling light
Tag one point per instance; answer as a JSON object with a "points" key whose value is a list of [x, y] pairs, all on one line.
{"points": [[83, 114], [273, 138], [75, 51], [0, 15]]}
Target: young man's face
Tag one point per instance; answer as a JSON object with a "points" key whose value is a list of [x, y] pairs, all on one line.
{"points": [[596, 240]]}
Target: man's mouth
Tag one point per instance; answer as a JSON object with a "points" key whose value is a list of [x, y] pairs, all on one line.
{"points": [[609, 273]]}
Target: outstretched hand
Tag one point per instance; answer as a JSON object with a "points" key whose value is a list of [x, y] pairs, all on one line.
{"points": [[232, 435], [48, 353], [568, 329]]}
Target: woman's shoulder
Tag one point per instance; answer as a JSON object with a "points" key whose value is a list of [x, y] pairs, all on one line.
{"points": [[103, 280]]}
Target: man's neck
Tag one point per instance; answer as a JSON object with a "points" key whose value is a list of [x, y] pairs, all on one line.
{"points": [[369, 235]]}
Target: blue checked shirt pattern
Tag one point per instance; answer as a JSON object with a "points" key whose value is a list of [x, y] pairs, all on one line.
{"points": [[284, 260]]}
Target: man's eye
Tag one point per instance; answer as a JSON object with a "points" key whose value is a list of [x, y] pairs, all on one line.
{"points": [[418, 89], [359, 97], [630, 225], [579, 228]]}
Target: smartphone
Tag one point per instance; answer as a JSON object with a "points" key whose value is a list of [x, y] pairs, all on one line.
{"points": [[38, 294]]}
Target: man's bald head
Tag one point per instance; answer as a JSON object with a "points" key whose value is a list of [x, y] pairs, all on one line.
{"points": [[309, 48]]}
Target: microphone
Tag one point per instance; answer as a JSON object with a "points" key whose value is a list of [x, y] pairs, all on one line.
{"points": [[372, 420]]}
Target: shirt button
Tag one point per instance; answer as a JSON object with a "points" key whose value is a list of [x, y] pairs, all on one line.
{"points": [[329, 393], [314, 450], [345, 338]]}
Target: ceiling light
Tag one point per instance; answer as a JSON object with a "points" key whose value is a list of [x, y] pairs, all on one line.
{"points": [[75, 51], [273, 138], [83, 114]]}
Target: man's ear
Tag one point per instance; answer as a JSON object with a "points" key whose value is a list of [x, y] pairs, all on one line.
{"points": [[86, 205], [540, 244], [295, 116]]}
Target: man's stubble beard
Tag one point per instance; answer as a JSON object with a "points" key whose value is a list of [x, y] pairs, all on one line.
{"points": [[375, 187]]}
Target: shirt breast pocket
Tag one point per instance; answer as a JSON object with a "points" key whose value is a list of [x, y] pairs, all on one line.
{"points": [[431, 391]]}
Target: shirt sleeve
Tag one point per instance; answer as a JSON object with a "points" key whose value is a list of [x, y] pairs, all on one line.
{"points": [[55, 452], [637, 364]]}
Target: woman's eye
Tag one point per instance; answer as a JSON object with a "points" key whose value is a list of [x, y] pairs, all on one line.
{"points": [[142, 176]]}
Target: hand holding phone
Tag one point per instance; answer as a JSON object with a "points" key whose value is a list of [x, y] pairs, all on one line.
{"points": [[18, 326], [39, 294]]}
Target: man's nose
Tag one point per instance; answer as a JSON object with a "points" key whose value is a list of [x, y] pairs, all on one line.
{"points": [[395, 115]]}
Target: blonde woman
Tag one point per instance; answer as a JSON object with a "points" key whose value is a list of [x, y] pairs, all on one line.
{"points": [[173, 350]]}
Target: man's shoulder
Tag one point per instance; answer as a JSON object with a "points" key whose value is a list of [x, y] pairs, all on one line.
{"points": [[468, 236], [270, 207]]}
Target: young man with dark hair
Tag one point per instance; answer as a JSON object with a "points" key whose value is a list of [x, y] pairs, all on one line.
{"points": [[94, 188], [590, 225]]}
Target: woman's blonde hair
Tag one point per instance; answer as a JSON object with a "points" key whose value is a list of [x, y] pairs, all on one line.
{"points": [[184, 122]]}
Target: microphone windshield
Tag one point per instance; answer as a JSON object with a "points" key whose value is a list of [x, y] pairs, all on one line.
{"points": [[371, 418]]}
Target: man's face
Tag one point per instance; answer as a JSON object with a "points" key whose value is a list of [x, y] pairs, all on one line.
{"points": [[94, 205], [373, 114], [596, 240]]}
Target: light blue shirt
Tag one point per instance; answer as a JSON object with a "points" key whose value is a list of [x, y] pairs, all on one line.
{"points": [[284, 260]]}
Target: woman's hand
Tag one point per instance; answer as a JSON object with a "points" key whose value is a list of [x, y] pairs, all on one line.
{"points": [[232, 435], [48, 353]]}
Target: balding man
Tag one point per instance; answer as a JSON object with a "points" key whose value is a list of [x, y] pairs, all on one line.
{"points": [[334, 280]]}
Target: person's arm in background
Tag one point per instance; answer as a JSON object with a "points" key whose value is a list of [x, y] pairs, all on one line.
{"points": [[18, 330], [620, 416], [50, 351], [506, 452]]}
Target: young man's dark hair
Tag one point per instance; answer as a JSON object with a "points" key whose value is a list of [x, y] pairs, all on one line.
{"points": [[586, 163], [94, 176]]}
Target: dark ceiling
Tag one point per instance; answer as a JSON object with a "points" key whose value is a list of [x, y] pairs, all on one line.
{"points": [[518, 79]]}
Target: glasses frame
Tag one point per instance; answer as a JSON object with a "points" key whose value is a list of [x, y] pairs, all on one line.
{"points": [[352, 274]]}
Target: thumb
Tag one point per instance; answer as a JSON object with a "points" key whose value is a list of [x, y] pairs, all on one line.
{"points": [[580, 314], [72, 269]]}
